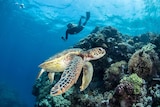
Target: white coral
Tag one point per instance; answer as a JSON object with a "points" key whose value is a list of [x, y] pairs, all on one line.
{"points": [[148, 47]]}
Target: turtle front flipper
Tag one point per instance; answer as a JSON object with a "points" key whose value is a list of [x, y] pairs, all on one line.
{"points": [[69, 76], [87, 75], [50, 75], [40, 73]]}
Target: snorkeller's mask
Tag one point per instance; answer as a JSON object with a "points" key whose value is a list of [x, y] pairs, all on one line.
{"points": [[70, 25]]}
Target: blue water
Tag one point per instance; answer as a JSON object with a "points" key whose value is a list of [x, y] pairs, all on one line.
{"points": [[30, 35]]}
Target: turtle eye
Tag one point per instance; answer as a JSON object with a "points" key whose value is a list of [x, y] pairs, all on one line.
{"points": [[100, 50]]}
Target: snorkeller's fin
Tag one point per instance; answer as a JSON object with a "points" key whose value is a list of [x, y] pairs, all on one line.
{"points": [[87, 15]]}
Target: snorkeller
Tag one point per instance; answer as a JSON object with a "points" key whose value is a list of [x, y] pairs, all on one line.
{"points": [[74, 29], [20, 5]]}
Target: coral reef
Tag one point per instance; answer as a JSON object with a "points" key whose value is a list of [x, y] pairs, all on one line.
{"points": [[127, 76]]}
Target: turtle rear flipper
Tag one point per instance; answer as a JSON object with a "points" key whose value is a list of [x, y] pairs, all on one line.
{"points": [[69, 76], [51, 76], [87, 75]]}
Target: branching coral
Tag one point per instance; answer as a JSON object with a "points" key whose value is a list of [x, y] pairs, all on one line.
{"points": [[93, 99], [143, 100], [155, 92], [113, 73], [149, 47], [60, 101]]}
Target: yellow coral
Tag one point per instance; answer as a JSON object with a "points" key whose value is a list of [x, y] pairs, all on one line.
{"points": [[135, 80]]}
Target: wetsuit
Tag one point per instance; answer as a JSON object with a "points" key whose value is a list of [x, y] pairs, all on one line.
{"points": [[78, 28]]}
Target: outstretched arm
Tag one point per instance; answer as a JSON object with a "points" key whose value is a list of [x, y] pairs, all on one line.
{"points": [[66, 34], [65, 38]]}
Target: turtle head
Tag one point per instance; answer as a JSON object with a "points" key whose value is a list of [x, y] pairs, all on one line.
{"points": [[94, 53]]}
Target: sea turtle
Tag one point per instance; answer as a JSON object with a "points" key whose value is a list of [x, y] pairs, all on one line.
{"points": [[58, 62], [71, 62]]}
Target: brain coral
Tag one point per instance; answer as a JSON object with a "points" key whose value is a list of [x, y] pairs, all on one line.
{"points": [[117, 67], [141, 64]]}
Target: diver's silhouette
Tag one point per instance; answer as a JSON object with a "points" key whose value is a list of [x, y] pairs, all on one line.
{"points": [[74, 29]]}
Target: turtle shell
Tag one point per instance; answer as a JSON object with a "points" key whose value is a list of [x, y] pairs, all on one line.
{"points": [[59, 62]]}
